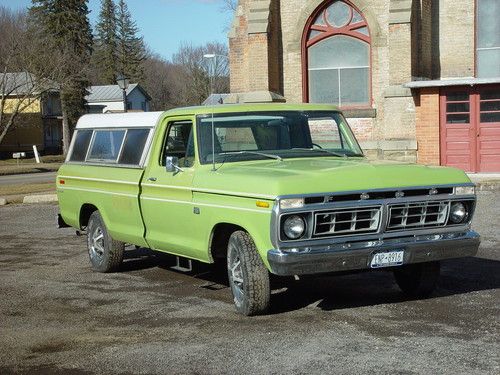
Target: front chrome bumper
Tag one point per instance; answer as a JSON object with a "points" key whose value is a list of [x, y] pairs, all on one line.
{"points": [[357, 255]]}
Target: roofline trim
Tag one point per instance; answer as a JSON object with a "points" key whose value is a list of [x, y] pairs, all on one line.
{"points": [[470, 81]]}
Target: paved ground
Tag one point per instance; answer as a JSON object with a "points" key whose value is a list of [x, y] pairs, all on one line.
{"points": [[58, 317], [30, 178]]}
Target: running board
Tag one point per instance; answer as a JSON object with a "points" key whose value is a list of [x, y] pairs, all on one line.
{"points": [[185, 267]]}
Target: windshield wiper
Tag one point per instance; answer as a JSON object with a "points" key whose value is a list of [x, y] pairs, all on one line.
{"points": [[321, 150], [252, 153]]}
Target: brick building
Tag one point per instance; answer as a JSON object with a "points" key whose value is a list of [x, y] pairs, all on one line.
{"points": [[418, 80]]}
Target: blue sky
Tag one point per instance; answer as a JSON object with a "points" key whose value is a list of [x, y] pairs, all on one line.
{"points": [[165, 24]]}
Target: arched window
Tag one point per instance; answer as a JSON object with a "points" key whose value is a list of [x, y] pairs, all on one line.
{"points": [[336, 50]]}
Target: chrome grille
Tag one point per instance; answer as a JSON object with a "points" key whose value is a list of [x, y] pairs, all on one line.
{"points": [[418, 215], [347, 221]]}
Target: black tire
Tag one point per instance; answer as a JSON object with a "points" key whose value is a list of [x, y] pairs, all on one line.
{"points": [[105, 254], [249, 280], [418, 280]]}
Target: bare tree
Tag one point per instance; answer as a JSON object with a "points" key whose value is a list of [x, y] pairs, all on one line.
{"points": [[194, 72], [202, 75], [20, 88], [163, 81], [229, 5]]}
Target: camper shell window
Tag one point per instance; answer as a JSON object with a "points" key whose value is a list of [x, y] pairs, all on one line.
{"points": [[106, 145], [134, 146], [110, 146], [81, 144]]}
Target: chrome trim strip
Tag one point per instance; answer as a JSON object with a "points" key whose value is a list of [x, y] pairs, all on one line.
{"points": [[62, 189], [99, 180], [128, 166], [210, 191], [205, 205]]}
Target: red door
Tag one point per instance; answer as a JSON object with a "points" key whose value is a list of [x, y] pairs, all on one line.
{"points": [[470, 128], [458, 134], [489, 129]]}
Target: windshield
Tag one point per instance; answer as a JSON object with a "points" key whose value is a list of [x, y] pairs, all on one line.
{"points": [[277, 135]]}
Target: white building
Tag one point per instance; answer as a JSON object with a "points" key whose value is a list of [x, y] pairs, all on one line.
{"points": [[109, 99]]}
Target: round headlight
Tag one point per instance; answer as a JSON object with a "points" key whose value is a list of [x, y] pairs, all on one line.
{"points": [[294, 227], [458, 213]]}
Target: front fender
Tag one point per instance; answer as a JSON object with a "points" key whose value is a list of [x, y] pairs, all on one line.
{"points": [[239, 211]]}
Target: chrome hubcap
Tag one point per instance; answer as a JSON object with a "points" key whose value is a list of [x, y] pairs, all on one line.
{"points": [[235, 276], [96, 248]]}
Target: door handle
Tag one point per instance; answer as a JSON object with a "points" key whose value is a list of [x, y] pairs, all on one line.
{"points": [[152, 179]]}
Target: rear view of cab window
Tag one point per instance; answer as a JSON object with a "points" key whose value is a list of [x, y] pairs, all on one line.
{"points": [[106, 145], [134, 146], [81, 145]]}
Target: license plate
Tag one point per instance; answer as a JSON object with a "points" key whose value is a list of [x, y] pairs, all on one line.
{"points": [[387, 259]]}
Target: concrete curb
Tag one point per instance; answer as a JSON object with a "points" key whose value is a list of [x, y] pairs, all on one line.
{"points": [[45, 198], [488, 185]]}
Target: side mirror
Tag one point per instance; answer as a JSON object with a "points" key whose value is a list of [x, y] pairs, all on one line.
{"points": [[172, 164]]}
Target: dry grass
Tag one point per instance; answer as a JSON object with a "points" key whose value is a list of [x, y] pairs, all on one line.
{"points": [[7, 169], [6, 190], [47, 159], [49, 163]]}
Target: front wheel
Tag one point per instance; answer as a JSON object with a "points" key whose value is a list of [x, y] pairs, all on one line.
{"points": [[417, 280], [105, 253], [248, 276]]}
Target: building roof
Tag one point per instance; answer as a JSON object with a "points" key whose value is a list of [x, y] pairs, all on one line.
{"points": [[24, 83], [215, 99], [111, 93]]}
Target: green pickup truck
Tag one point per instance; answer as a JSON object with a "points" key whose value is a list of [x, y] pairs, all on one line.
{"points": [[265, 188]]}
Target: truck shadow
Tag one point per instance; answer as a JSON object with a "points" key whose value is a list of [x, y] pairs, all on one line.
{"points": [[137, 259], [337, 292], [333, 291]]}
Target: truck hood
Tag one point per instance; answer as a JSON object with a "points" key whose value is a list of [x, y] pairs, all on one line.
{"points": [[272, 178]]}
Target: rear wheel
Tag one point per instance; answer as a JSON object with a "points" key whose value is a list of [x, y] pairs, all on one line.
{"points": [[248, 276], [418, 280], [105, 253]]}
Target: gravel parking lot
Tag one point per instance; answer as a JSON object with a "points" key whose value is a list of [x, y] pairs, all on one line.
{"points": [[58, 317]]}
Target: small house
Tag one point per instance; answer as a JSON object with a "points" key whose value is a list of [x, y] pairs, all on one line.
{"points": [[109, 99]]}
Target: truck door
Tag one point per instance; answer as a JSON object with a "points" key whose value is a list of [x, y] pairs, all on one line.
{"points": [[166, 198]]}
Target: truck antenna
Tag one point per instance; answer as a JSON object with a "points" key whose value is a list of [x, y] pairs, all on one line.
{"points": [[213, 140]]}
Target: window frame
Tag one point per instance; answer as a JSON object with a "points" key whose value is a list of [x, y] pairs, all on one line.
{"points": [[92, 142], [328, 32], [108, 163], [315, 113], [476, 39], [170, 123]]}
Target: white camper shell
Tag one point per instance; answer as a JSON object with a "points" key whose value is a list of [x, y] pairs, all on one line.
{"points": [[118, 140]]}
